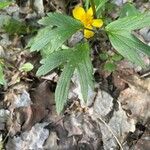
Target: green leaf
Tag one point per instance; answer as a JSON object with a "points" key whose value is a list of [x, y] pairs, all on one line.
{"points": [[89, 70], [103, 56], [116, 57], [85, 71], [62, 89], [58, 29], [2, 79], [86, 79], [86, 4], [15, 27], [54, 60], [139, 45], [83, 81], [128, 10], [135, 42], [110, 66], [59, 20], [99, 4], [128, 46], [26, 67], [73, 58], [41, 39], [4, 3], [124, 41], [130, 23]]}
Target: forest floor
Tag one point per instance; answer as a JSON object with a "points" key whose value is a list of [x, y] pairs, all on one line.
{"points": [[117, 115]]}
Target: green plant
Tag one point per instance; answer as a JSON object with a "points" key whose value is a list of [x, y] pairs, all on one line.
{"points": [[26, 67], [2, 79], [58, 28], [13, 26], [110, 61], [5, 3]]}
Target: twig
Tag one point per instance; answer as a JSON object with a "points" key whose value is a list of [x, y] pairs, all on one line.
{"points": [[111, 132]]}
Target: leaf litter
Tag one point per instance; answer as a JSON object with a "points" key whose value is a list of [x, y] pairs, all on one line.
{"points": [[27, 112]]}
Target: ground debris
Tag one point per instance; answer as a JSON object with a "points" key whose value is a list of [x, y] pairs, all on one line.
{"points": [[135, 99], [4, 115], [33, 139], [116, 114], [114, 122]]}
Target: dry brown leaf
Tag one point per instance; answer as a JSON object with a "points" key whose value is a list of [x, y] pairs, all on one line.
{"points": [[26, 117], [17, 96], [111, 120], [144, 142], [29, 140], [81, 125], [43, 95], [59, 6], [73, 125], [136, 99], [25, 113], [51, 142]]}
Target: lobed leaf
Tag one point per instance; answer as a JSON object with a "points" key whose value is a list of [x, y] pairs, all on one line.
{"points": [[58, 29], [85, 78], [41, 39], [85, 71], [128, 9], [52, 61], [77, 57], [99, 4], [59, 20], [130, 23], [127, 46], [89, 70], [124, 41], [134, 42], [62, 89]]}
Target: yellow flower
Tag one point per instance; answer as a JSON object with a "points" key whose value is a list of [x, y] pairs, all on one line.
{"points": [[87, 18]]}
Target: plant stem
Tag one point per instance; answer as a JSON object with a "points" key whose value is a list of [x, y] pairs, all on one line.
{"points": [[93, 8]]}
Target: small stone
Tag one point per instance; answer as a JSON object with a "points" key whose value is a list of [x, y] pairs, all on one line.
{"points": [[145, 32]]}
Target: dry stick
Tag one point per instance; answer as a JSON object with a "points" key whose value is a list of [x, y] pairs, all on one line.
{"points": [[111, 132]]}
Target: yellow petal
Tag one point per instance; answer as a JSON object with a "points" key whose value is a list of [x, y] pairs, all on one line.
{"points": [[97, 23], [90, 11], [78, 12], [88, 34]]}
